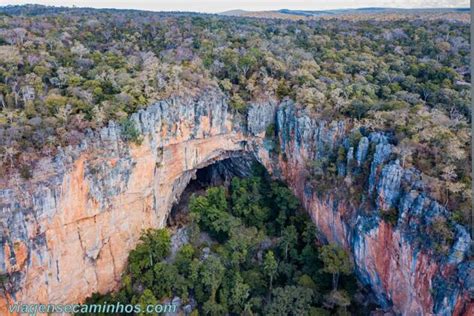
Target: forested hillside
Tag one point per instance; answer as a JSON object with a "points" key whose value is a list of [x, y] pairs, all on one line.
{"points": [[63, 71]]}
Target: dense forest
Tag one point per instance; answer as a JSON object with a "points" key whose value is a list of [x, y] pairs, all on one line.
{"points": [[64, 71], [250, 250]]}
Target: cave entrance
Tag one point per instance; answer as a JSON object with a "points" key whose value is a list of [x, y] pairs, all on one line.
{"points": [[258, 229], [216, 174], [247, 245]]}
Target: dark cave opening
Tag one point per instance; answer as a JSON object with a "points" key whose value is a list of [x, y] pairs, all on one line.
{"points": [[216, 174], [221, 174], [245, 231]]}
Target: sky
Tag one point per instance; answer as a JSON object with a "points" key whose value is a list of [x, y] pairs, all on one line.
{"points": [[214, 6]]}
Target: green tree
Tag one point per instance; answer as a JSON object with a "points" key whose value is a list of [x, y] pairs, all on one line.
{"points": [[242, 244], [239, 294], [338, 298], [270, 267], [247, 201], [165, 276], [183, 259], [336, 261], [154, 246], [290, 300], [288, 239], [284, 203], [54, 102], [212, 273], [211, 213], [147, 298]]}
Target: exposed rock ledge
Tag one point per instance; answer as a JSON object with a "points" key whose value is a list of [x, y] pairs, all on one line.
{"points": [[67, 233]]}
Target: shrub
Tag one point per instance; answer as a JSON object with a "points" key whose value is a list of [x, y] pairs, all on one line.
{"points": [[390, 216], [441, 234], [238, 104], [130, 132], [270, 131], [355, 137]]}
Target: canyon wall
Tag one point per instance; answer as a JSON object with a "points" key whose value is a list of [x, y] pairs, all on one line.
{"points": [[396, 259], [67, 232]]}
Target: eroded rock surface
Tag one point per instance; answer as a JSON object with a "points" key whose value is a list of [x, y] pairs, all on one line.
{"points": [[67, 232]]}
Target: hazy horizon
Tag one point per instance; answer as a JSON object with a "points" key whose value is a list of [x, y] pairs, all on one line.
{"points": [[216, 6]]}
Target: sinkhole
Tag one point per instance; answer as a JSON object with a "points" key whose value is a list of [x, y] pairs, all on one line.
{"points": [[239, 243]]}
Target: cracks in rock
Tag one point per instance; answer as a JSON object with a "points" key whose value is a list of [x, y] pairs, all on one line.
{"points": [[75, 222], [84, 252], [57, 271], [114, 268], [186, 158]]}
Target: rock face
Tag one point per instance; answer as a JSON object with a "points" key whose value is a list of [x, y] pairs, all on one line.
{"points": [[396, 259], [67, 232]]}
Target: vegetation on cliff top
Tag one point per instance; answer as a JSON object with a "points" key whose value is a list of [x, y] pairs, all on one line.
{"points": [[63, 71], [262, 259]]}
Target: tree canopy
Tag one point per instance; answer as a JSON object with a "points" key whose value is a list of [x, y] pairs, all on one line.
{"points": [[64, 71], [250, 268]]}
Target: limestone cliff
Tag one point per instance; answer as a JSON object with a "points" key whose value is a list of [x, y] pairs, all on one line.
{"points": [[396, 260], [67, 232]]}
